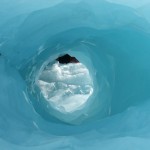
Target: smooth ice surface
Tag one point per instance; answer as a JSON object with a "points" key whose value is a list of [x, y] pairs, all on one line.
{"points": [[111, 38]]}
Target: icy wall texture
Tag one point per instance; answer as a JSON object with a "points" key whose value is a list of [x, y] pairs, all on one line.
{"points": [[111, 38]]}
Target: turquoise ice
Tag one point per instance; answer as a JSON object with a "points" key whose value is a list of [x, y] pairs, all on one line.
{"points": [[101, 103]]}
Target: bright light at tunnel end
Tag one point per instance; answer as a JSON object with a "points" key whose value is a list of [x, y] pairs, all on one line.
{"points": [[65, 86]]}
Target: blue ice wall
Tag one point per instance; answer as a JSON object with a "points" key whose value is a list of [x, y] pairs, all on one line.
{"points": [[111, 38]]}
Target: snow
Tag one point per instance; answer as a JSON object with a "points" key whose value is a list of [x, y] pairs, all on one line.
{"points": [[66, 87]]}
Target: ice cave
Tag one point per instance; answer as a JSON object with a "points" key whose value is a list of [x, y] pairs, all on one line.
{"points": [[75, 74]]}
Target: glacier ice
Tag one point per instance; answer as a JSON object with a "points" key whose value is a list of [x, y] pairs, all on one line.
{"points": [[66, 82], [109, 87], [65, 88]]}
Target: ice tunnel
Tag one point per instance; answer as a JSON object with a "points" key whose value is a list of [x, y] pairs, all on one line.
{"points": [[75, 75]]}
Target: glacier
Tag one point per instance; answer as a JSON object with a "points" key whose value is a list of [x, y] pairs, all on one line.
{"points": [[103, 102]]}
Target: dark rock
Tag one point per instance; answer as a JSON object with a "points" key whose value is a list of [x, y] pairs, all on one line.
{"points": [[65, 59]]}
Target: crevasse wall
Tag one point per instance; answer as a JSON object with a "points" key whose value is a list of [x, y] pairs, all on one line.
{"points": [[111, 38]]}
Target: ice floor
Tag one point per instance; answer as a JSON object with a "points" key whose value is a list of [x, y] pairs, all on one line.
{"points": [[102, 102]]}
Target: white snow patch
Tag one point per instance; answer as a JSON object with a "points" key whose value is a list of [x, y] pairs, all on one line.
{"points": [[66, 87]]}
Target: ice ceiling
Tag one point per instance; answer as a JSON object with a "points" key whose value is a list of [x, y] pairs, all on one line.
{"points": [[101, 103]]}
